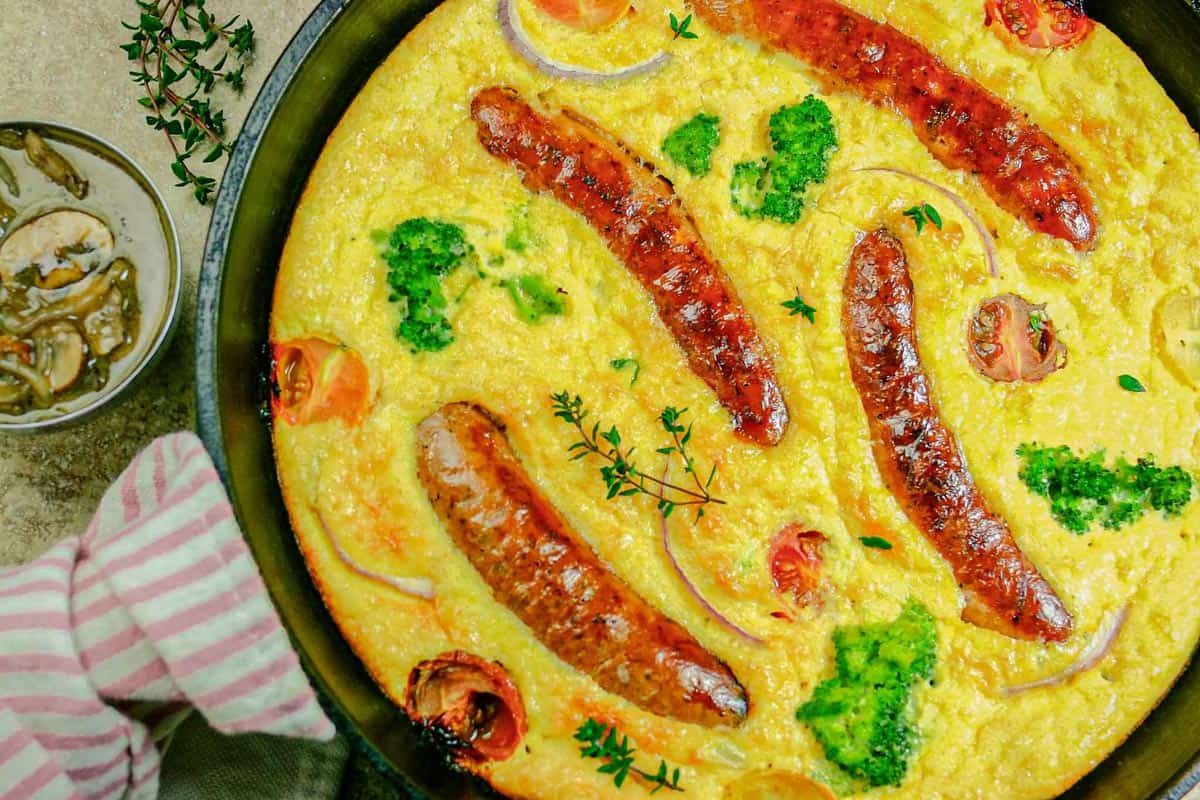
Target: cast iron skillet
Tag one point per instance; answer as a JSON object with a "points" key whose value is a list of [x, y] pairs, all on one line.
{"points": [[318, 75]]}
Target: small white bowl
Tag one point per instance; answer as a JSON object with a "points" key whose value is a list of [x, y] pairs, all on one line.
{"points": [[158, 291]]}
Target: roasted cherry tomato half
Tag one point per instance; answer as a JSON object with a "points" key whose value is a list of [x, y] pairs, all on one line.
{"points": [[1039, 23], [469, 704], [315, 380], [795, 560], [586, 15], [1009, 339]]}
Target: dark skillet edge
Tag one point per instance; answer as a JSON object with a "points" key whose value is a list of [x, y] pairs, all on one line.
{"points": [[208, 419], [388, 741], [1142, 33], [208, 306]]}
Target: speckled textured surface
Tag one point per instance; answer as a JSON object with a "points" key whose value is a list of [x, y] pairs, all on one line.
{"points": [[60, 61]]}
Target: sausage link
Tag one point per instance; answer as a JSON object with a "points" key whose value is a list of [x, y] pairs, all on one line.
{"points": [[640, 218], [920, 459], [539, 568], [962, 124]]}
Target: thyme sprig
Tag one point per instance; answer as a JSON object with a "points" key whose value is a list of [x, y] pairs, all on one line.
{"points": [[182, 54], [680, 29], [797, 307], [622, 478], [600, 741]]}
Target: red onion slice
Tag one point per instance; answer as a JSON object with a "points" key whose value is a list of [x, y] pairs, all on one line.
{"points": [[989, 242], [691, 587], [414, 587], [518, 40], [1096, 650]]}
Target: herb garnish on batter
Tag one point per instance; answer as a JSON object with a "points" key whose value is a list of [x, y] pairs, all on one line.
{"points": [[680, 29], [600, 741], [1130, 384], [925, 213], [797, 307], [622, 363], [621, 475]]}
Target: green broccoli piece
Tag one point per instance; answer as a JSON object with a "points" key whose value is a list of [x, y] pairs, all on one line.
{"points": [[1083, 491], [746, 188], [420, 252], [691, 144], [863, 716], [1170, 490], [522, 235], [863, 729], [900, 651], [535, 298], [802, 138]]}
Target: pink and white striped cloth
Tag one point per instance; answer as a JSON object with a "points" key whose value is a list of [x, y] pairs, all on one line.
{"points": [[158, 600]]}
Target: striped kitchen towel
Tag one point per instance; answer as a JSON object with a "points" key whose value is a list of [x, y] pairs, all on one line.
{"points": [[158, 600]]}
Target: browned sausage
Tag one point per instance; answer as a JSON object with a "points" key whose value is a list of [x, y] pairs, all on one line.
{"points": [[964, 125], [640, 218], [920, 459], [539, 568]]}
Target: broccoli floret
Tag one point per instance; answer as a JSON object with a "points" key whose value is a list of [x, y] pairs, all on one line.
{"points": [[535, 297], [1170, 489], [807, 126], [746, 189], [863, 715], [1083, 490], [802, 138], [418, 253], [863, 729], [781, 206], [691, 144], [900, 651]]}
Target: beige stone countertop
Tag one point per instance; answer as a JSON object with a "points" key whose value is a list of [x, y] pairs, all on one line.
{"points": [[60, 62]]}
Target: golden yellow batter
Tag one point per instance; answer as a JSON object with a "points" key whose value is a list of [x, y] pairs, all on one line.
{"points": [[407, 148]]}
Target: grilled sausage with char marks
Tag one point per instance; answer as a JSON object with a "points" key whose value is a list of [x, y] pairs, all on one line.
{"points": [[962, 124], [640, 218], [539, 568], [920, 459]]}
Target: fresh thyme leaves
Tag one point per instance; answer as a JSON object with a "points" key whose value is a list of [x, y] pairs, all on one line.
{"points": [[622, 478], [600, 741], [182, 53], [621, 363], [797, 307], [922, 214], [680, 29], [878, 542], [1130, 384], [1083, 490]]}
